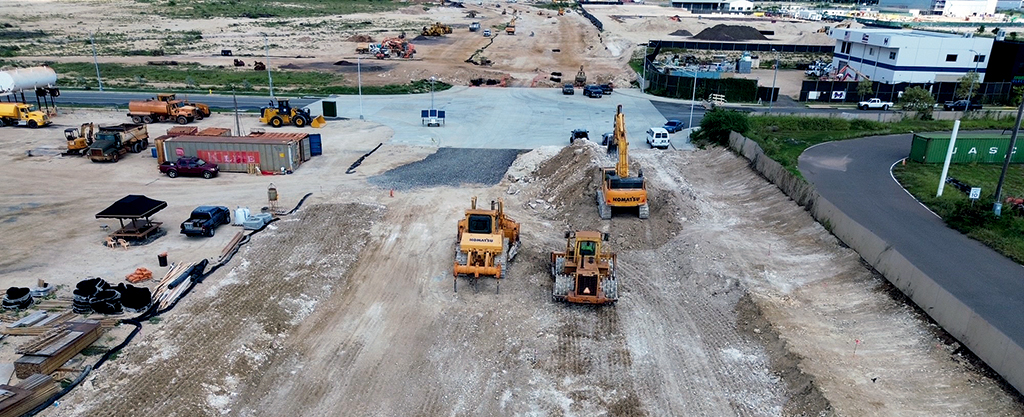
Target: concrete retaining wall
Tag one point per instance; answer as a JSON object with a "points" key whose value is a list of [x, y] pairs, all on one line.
{"points": [[1001, 353]]}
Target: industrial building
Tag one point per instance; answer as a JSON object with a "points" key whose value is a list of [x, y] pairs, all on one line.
{"points": [[942, 7], [894, 56], [714, 6]]}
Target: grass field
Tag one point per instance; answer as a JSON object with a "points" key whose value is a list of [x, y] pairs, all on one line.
{"points": [[260, 8]]}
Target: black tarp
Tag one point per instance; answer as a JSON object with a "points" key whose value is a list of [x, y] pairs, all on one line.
{"points": [[132, 207]]}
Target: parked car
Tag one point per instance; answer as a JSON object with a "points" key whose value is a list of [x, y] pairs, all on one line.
{"points": [[189, 165], [487, 33], [568, 89], [673, 126], [961, 105], [593, 91], [579, 134], [204, 220], [606, 88]]}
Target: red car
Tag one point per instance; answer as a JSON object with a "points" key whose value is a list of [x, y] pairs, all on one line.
{"points": [[189, 165]]}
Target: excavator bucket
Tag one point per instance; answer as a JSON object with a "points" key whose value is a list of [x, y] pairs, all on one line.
{"points": [[318, 122]]}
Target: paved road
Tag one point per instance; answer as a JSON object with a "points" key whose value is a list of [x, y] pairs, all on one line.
{"points": [[854, 175]]}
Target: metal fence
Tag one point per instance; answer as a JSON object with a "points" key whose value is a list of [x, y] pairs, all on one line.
{"points": [[846, 91], [733, 46]]}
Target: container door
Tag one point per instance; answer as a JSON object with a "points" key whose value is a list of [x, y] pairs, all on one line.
{"points": [[304, 147], [330, 108], [315, 145]]}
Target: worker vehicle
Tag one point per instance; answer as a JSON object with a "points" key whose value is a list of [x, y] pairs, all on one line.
{"points": [[581, 78], [578, 134], [657, 137], [487, 33], [487, 241], [618, 188], [398, 47], [961, 105], [510, 29], [874, 104], [568, 90], [189, 165], [593, 91], [202, 110], [584, 273], [605, 88], [21, 114], [153, 110], [437, 29], [113, 141], [673, 126], [79, 139], [204, 221], [283, 114], [475, 26]]}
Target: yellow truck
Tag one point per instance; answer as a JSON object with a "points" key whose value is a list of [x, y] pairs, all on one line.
{"points": [[21, 114]]}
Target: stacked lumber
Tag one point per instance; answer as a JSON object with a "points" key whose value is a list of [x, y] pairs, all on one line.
{"points": [[140, 274], [47, 323], [170, 288], [231, 245], [28, 394], [51, 350]]}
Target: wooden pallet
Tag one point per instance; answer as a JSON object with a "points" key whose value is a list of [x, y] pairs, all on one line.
{"points": [[52, 350], [27, 395]]}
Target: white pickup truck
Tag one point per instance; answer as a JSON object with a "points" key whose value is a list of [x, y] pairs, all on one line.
{"points": [[874, 104]]}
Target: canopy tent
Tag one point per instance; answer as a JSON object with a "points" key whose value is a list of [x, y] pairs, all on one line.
{"points": [[138, 209]]}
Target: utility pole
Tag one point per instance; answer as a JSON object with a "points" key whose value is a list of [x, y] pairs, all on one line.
{"points": [[238, 123], [95, 61], [643, 82], [771, 94], [359, 75], [270, 79], [997, 208]]}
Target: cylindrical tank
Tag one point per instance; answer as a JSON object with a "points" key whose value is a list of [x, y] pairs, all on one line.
{"points": [[272, 192], [149, 106], [22, 79]]}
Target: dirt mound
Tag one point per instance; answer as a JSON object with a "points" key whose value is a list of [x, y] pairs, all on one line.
{"points": [[360, 38], [345, 63], [681, 32], [730, 33], [290, 66]]}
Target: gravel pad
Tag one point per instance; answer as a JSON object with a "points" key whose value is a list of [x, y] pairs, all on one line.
{"points": [[450, 167]]}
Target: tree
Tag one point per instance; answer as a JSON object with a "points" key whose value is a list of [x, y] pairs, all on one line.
{"points": [[919, 100], [966, 85], [1016, 94], [865, 88], [1013, 36], [717, 123], [995, 31], [981, 29]]}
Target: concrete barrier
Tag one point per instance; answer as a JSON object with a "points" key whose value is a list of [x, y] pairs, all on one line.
{"points": [[1002, 354]]}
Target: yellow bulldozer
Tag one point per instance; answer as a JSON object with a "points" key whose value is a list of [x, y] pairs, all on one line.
{"points": [[618, 189], [79, 139], [284, 114], [583, 273], [437, 29], [487, 241]]}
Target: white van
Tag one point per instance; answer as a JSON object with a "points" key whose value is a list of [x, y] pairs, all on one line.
{"points": [[657, 137]]}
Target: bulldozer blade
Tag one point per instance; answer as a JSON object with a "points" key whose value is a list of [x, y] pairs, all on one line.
{"points": [[318, 122]]}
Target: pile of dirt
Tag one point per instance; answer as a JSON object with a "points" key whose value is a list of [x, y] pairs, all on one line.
{"points": [[290, 66], [730, 33], [360, 38], [681, 32]]}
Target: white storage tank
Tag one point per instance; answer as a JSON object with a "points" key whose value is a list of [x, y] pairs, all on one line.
{"points": [[241, 215], [22, 79]]}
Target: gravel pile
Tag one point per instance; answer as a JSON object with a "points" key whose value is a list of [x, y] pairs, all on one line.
{"points": [[450, 167], [730, 33], [681, 32]]}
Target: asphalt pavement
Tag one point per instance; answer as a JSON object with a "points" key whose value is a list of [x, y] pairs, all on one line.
{"points": [[854, 175]]}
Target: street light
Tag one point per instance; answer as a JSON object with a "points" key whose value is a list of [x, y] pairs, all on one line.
{"points": [[270, 79], [771, 94], [432, 93], [644, 63], [96, 62], [359, 76], [970, 93], [693, 100]]}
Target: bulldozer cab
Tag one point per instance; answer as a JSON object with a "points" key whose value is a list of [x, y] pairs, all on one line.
{"points": [[586, 248], [481, 224]]}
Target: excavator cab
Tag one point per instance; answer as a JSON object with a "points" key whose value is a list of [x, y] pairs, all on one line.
{"points": [[79, 139]]}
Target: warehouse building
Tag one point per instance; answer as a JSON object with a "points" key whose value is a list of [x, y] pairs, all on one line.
{"points": [[267, 152], [961, 8], [894, 56], [714, 6]]}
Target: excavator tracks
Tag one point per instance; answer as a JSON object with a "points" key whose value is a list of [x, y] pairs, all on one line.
{"points": [[603, 209]]}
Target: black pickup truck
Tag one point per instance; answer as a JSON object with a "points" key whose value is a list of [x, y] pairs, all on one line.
{"points": [[204, 220], [961, 105]]}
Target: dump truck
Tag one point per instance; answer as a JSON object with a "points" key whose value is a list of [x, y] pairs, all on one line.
{"points": [[487, 241], [79, 139], [583, 272], [618, 189], [21, 114], [202, 110], [283, 114], [149, 111], [113, 141]]}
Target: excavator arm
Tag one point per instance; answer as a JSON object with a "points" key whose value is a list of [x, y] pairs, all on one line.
{"points": [[622, 166]]}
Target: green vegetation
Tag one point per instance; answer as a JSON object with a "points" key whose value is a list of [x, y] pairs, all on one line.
{"points": [[717, 123], [1005, 234], [917, 99], [260, 9], [784, 138]]}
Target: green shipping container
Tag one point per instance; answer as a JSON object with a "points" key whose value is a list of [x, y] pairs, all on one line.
{"points": [[930, 148]]}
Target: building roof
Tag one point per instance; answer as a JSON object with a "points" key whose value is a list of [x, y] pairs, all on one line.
{"points": [[132, 207], [900, 32]]}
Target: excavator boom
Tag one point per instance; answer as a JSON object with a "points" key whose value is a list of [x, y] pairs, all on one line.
{"points": [[622, 166]]}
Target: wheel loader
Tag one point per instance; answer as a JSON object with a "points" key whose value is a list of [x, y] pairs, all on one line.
{"points": [[487, 241], [583, 273], [79, 139], [618, 189], [437, 29], [283, 114]]}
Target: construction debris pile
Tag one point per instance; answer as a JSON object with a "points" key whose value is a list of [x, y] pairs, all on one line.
{"points": [[730, 33]]}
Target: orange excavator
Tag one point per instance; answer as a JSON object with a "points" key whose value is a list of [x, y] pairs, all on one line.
{"points": [[618, 189]]}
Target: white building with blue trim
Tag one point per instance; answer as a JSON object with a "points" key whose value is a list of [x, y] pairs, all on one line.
{"points": [[908, 56]]}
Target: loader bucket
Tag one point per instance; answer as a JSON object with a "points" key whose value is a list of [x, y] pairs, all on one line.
{"points": [[318, 122]]}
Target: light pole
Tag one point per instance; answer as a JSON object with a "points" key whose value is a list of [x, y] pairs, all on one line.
{"points": [[771, 94], [95, 62], [693, 100], [970, 93], [643, 82], [270, 79], [359, 76], [431, 93]]}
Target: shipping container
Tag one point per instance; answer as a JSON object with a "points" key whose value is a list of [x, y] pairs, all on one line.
{"points": [[214, 131], [315, 145], [182, 131], [236, 153], [302, 138], [930, 148]]}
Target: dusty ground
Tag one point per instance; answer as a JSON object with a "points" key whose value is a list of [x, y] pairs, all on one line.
{"points": [[734, 301]]}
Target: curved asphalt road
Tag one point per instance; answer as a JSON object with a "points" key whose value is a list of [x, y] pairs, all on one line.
{"points": [[854, 176]]}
